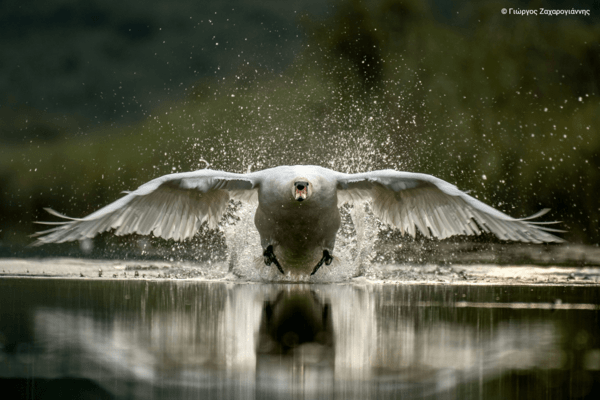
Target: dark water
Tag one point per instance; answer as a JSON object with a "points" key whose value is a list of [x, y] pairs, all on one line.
{"points": [[163, 339]]}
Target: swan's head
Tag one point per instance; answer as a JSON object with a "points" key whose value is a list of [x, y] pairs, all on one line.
{"points": [[302, 189]]}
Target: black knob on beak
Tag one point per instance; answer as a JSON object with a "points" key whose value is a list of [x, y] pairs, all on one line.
{"points": [[301, 185]]}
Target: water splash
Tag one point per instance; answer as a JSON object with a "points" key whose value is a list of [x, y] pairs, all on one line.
{"points": [[346, 151], [354, 248]]}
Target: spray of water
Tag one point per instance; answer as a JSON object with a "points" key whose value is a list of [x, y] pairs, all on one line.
{"points": [[354, 241], [354, 248]]}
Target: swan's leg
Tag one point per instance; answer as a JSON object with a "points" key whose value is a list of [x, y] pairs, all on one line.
{"points": [[270, 258], [327, 259]]}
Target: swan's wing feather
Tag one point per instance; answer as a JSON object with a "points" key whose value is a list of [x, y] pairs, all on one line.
{"points": [[172, 207], [435, 207]]}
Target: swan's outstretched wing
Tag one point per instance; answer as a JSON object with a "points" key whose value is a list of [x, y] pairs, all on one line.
{"points": [[435, 207], [172, 207]]}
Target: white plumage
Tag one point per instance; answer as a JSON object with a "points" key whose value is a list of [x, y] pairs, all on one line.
{"points": [[174, 206]]}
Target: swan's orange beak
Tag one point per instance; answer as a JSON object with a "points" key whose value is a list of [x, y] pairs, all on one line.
{"points": [[301, 194]]}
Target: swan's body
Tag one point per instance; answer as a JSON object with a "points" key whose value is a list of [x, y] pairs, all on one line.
{"points": [[297, 213]]}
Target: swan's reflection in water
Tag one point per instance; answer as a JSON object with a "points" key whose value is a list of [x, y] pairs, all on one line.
{"points": [[137, 339], [295, 344]]}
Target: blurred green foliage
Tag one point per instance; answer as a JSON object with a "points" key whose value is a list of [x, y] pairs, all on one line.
{"points": [[503, 105]]}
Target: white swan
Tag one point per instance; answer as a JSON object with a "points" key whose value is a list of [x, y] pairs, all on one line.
{"points": [[297, 213]]}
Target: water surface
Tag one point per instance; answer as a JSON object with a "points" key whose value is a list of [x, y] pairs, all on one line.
{"points": [[68, 338]]}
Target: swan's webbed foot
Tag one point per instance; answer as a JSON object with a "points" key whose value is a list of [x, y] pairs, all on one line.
{"points": [[270, 258], [327, 259]]}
